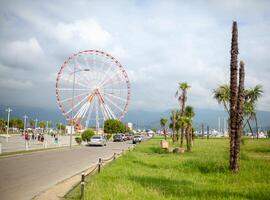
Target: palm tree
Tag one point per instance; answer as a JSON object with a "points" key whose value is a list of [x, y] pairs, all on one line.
{"points": [[222, 95], [173, 119], [163, 122], [233, 92], [240, 116], [178, 124], [189, 114], [251, 97], [182, 98]]}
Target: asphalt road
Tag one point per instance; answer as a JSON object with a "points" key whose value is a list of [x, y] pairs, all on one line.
{"points": [[24, 176]]}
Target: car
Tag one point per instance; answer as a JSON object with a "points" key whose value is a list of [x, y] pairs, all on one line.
{"points": [[137, 139], [118, 138], [97, 140]]}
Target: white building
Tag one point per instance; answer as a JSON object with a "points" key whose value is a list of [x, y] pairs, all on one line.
{"points": [[130, 126]]}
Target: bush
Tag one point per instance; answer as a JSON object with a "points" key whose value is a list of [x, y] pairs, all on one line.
{"points": [[108, 136], [87, 134], [78, 140]]}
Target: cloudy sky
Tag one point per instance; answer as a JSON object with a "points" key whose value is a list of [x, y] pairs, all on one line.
{"points": [[160, 43]]}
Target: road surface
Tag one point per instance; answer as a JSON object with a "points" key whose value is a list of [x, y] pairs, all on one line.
{"points": [[24, 176]]}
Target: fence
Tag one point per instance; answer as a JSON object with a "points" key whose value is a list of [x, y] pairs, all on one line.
{"points": [[97, 168]]}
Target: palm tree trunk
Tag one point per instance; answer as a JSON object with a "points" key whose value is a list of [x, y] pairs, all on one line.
{"points": [[240, 116], [182, 137], [233, 92], [250, 129], [257, 129], [165, 135]]}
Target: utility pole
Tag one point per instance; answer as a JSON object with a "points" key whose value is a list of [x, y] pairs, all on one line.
{"points": [[36, 123], [219, 125], [24, 128], [8, 111], [202, 131], [208, 130]]}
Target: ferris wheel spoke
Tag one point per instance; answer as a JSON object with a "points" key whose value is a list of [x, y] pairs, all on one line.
{"points": [[103, 112], [76, 82], [89, 115], [117, 97], [85, 78], [76, 89], [112, 83], [85, 98], [78, 114], [110, 111], [116, 106], [70, 98], [110, 78]]}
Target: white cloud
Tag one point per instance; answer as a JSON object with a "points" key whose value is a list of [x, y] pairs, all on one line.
{"points": [[7, 83], [86, 31], [25, 54]]}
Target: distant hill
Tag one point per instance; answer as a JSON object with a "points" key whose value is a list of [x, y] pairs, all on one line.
{"points": [[140, 118]]}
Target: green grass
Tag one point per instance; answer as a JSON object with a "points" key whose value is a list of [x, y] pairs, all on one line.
{"points": [[149, 173]]}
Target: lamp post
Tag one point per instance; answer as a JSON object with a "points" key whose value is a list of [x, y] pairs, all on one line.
{"points": [[72, 102], [24, 127], [8, 111]]}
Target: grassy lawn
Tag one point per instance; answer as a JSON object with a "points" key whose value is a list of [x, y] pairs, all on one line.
{"points": [[148, 173]]}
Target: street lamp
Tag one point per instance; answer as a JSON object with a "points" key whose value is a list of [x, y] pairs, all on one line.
{"points": [[72, 102], [8, 111], [24, 127]]}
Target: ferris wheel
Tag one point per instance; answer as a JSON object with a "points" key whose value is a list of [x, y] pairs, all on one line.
{"points": [[91, 87]]}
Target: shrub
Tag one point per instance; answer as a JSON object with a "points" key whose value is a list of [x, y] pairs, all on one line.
{"points": [[87, 134], [78, 140], [108, 136]]}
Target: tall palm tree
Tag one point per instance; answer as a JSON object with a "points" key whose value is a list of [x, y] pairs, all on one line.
{"points": [[240, 116], [181, 95], [173, 119], [163, 122], [233, 92], [178, 124], [189, 114]]}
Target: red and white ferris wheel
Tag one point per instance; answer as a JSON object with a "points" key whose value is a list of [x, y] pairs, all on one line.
{"points": [[91, 87]]}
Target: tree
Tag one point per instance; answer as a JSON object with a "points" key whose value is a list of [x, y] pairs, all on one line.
{"points": [[42, 124], [17, 123], [222, 95], [173, 119], [87, 134], [189, 114], [163, 122], [237, 98], [112, 126], [32, 122], [181, 94], [2, 125], [60, 126], [251, 97]]}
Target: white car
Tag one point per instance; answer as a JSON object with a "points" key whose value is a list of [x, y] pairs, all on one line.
{"points": [[98, 140]]}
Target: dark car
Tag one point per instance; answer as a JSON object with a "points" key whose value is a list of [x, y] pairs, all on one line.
{"points": [[118, 138]]}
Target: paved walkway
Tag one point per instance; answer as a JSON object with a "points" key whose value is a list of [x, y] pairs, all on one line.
{"points": [[23, 177], [17, 143]]}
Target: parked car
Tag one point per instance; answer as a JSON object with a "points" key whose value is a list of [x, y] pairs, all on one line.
{"points": [[98, 140], [129, 137], [118, 138], [124, 137], [137, 139]]}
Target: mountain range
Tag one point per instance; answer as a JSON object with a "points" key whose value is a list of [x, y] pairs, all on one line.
{"points": [[139, 118]]}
